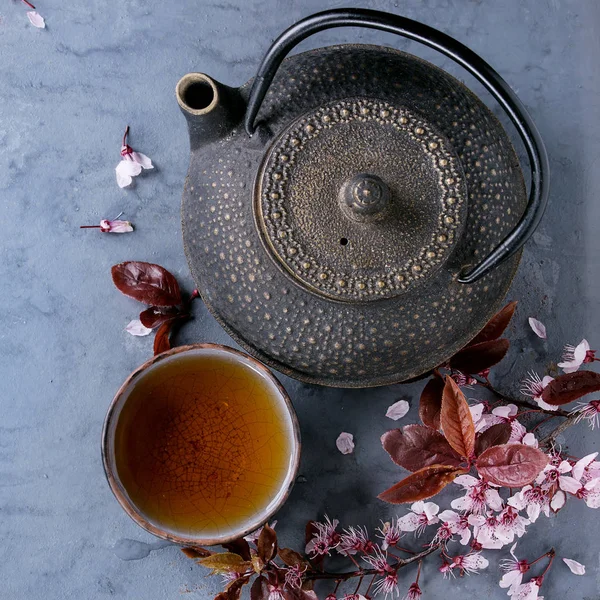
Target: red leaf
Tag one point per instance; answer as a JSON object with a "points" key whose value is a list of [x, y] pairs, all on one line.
{"points": [[154, 316], [267, 544], [496, 325], [162, 341], [298, 594], [196, 552], [239, 546], [479, 357], [290, 557], [421, 485], [259, 590], [456, 419], [511, 465], [415, 447], [147, 283], [494, 436], [430, 403], [571, 386]]}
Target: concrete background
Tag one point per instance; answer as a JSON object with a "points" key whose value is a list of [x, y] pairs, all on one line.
{"points": [[66, 94]]}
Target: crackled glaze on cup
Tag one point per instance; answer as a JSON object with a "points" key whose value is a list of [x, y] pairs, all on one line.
{"points": [[152, 524]]}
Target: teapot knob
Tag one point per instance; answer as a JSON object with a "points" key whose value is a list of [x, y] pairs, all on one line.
{"points": [[364, 198]]}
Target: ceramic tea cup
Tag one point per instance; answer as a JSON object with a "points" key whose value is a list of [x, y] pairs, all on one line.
{"points": [[201, 445]]}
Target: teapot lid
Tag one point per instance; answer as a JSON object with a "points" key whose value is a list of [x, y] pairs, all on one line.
{"points": [[360, 199]]}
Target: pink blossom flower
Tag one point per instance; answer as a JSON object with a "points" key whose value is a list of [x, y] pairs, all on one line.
{"points": [[325, 539], [378, 561], [506, 414], [36, 19], [353, 540], [574, 356], [511, 523], [552, 472], [538, 328], [479, 419], [583, 469], [533, 499], [446, 569], [345, 443], [590, 411], [388, 585], [463, 380], [293, 576], [456, 524], [527, 591], [470, 563], [533, 387], [480, 494], [275, 592], [390, 533], [514, 569], [488, 533], [107, 226], [131, 164], [397, 410], [422, 514], [414, 592], [576, 567]]}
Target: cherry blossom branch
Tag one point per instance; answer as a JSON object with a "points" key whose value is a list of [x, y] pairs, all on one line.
{"points": [[551, 437], [522, 403], [403, 562]]}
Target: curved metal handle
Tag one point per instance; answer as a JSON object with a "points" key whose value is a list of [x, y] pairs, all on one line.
{"points": [[536, 152]]}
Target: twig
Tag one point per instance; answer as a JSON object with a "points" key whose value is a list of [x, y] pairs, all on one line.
{"points": [[403, 562], [523, 403], [551, 437]]}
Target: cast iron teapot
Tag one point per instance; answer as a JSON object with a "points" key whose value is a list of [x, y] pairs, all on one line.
{"points": [[354, 215]]}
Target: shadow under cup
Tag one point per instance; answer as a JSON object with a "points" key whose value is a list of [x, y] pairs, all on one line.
{"points": [[201, 445]]}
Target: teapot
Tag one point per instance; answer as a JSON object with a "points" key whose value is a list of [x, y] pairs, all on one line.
{"points": [[354, 215]]}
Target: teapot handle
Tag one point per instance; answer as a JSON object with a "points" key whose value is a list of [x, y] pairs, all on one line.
{"points": [[536, 152]]}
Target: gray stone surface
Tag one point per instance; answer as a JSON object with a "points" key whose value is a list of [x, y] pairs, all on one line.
{"points": [[66, 93]]}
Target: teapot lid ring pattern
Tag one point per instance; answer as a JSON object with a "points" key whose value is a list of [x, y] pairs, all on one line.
{"points": [[360, 200]]}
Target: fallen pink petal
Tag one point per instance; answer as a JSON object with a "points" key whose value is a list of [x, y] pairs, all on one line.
{"points": [[576, 567], [345, 443], [135, 327], [132, 163], [397, 410], [36, 19], [538, 328]]}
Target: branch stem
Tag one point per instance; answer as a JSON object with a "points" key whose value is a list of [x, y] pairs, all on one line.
{"points": [[403, 562]]}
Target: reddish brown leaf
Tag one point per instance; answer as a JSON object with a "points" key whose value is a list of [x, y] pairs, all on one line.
{"points": [[421, 485], [494, 436], [154, 316], [415, 447], [225, 562], [259, 590], [267, 544], [511, 465], [239, 546], [147, 283], [571, 386], [196, 552], [479, 357], [162, 341], [430, 403], [290, 557], [496, 325], [298, 594], [456, 419]]}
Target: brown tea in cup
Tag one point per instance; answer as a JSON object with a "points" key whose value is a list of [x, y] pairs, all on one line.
{"points": [[201, 445]]}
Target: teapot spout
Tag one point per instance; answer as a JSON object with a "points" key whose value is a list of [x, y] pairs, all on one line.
{"points": [[211, 109]]}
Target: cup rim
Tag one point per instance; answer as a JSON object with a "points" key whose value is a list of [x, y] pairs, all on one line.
{"points": [[118, 489]]}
